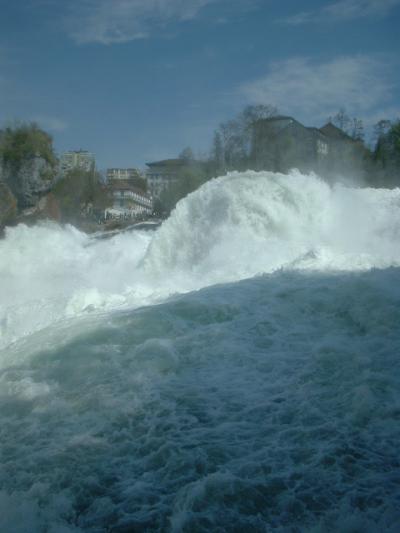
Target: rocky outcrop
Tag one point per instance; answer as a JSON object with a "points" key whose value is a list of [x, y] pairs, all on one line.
{"points": [[8, 205], [49, 207], [46, 209], [28, 181]]}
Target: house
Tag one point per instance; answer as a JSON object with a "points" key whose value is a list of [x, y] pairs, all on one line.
{"points": [[131, 176], [162, 174], [347, 156], [129, 201], [281, 143], [122, 174]]}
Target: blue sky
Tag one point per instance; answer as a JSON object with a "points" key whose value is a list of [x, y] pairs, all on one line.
{"points": [[139, 80]]}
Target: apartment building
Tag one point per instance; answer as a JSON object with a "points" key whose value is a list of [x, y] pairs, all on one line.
{"points": [[81, 159]]}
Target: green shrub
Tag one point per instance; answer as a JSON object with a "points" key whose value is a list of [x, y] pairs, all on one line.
{"points": [[76, 190], [25, 141]]}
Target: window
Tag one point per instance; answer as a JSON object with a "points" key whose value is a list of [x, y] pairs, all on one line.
{"points": [[322, 147]]}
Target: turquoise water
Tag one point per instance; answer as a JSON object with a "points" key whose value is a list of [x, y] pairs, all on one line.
{"points": [[265, 401]]}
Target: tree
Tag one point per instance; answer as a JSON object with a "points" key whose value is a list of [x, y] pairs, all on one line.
{"points": [[341, 120], [357, 129], [394, 138], [252, 113], [234, 143], [25, 141], [217, 152], [235, 136], [381, 128], [77, 191], [387, 152], [353, 127], [189, 178], [187, 154], [389, 142]]}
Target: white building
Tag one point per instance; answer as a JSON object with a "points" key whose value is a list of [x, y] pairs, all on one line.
{"points": [[81, 159], [128, 201], [122, 174], [162, 174]]}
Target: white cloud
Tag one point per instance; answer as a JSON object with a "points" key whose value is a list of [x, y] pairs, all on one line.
{"points": [[118, 21], [313, 91], [345, 10]]}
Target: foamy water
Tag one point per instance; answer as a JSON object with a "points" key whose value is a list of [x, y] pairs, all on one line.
{"points": [[238, 369], [233, 228]]}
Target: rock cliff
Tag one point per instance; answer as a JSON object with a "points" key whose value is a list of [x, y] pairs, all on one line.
{"points": [[29, 181], [8, 205], [27, 165]]}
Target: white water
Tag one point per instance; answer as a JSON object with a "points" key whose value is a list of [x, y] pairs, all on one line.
{"points": [[233, 228], [267, 404]]}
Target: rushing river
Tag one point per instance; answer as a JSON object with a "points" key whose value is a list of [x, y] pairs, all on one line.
{"points": [[236, 370]]}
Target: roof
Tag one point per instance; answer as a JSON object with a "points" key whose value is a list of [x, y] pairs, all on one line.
{"points": [[279, 117], [125, 185], [169, 163], [80, 151], [281, 123], [332, 131], [117, 169], [174, 164], [317, 131]]}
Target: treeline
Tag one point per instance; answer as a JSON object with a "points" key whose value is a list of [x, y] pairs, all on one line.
{"points": [[383, 150], [387, 153]]}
